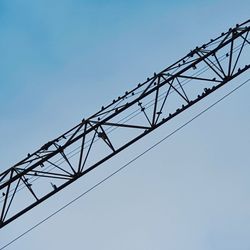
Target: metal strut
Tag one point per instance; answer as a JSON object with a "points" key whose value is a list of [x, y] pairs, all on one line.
{"points": [[127, 119]]}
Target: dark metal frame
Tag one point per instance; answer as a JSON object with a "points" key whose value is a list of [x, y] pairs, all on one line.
{"points": [[215, 63]]}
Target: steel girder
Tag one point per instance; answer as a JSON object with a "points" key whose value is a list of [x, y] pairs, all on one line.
{"points": [[124, 121]]}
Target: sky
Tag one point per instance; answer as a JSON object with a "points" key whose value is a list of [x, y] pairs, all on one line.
{"points": [[61, 61]]}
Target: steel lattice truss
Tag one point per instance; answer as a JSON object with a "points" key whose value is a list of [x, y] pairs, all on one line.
{"points": [[124, 121]]}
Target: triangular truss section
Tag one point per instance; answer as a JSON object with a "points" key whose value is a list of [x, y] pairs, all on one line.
{"points": [[124, 121]]}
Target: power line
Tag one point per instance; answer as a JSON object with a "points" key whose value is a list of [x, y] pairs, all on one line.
{"points": [[124, 166]]}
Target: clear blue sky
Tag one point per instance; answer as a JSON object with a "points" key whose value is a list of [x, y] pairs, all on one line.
{"points": [[61, 61]]}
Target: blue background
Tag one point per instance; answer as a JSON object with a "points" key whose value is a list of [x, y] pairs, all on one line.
{"points": [[61, 61]]}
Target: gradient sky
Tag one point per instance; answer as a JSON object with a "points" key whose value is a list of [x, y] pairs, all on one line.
{"points": [[62, 60]]}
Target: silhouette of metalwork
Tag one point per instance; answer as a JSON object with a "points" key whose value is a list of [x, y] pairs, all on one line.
{"points": [[124, 121]]}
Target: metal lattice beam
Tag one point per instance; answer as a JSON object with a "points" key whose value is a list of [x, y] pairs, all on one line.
{"points": [[127, 119]]}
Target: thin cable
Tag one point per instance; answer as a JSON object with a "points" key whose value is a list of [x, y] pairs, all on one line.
{"points": [[124, 166]]}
